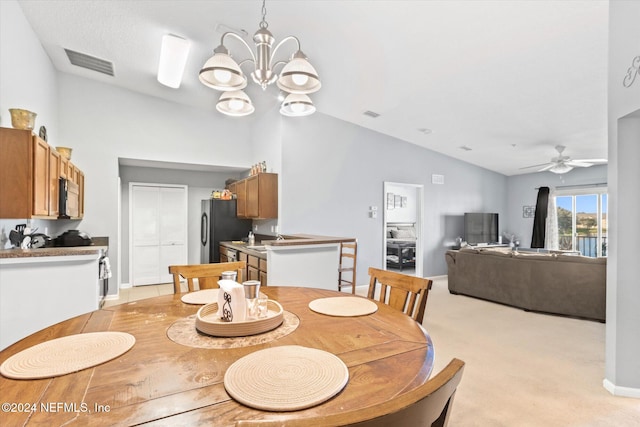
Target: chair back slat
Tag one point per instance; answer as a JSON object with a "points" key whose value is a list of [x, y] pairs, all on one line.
{"points": [[208, 275], [401, 291]]}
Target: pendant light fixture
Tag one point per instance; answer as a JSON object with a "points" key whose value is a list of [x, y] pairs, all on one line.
{"points": [[297, 77]]}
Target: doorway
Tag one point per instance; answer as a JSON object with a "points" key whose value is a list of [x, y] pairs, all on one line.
{"points": [[403, 221], [158, 231]]}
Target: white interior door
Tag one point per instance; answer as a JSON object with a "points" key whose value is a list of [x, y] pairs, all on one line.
{"points": [[158, 231]]}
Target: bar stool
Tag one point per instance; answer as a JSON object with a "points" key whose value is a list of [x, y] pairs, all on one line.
{"points": [[348, 250]]}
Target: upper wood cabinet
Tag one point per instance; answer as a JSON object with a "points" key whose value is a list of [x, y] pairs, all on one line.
{"points": [[29, 176], [258, 196]]}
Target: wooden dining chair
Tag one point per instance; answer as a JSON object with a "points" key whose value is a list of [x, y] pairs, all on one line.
{"points": [[401, 291], [207, 274], [427, 405], [347, 266]]}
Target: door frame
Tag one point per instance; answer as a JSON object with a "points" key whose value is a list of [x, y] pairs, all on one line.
{"points": [[186, 219], [419, 223]]}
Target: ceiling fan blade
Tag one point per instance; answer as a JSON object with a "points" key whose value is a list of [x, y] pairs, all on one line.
{"points": [[576, 164], [537, 166], [594, 161], [549, 166]]}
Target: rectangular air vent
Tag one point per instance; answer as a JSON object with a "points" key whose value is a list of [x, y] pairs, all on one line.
{"points": [[90, 62], [371, 114]]}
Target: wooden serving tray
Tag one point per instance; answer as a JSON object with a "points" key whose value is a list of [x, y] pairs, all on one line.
{"points": [[208, 322]]}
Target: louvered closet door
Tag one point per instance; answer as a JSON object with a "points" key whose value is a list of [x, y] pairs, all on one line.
{"points": [[158, 232]]}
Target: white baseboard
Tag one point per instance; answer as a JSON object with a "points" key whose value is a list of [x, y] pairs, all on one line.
{"points": [[125, 285], [621, 391]]}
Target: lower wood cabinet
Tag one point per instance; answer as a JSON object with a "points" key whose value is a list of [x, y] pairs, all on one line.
{"points": [[257, 269]]}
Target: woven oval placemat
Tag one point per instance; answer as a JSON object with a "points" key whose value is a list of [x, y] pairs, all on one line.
{"points": [[286, 378], [183, 331], [343, 306], [65, 355], [205, 296]]}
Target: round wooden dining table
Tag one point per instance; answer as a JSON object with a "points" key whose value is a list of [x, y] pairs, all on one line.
{"points": [[165, 383]]}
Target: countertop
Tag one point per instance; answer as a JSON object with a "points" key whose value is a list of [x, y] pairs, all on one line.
{"points": [[306, 239], [289, 240], [52, 251]]}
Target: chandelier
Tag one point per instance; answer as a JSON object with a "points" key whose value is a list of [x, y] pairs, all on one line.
{"points": [[297, 77]]}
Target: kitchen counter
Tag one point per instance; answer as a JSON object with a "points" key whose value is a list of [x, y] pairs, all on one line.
{"points": [[299, 259], [242, 247], [306, 239], [289, 240], [52, 251]]}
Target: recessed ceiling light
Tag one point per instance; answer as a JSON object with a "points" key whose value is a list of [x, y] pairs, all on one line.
{"points": [[424, 131], [371, 114], [465, 148]]}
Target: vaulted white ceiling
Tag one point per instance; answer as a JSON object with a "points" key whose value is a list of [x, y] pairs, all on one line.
{"points": [[507, 79]]}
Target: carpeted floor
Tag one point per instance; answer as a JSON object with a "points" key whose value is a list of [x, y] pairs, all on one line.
{"points": [[523, 369]]}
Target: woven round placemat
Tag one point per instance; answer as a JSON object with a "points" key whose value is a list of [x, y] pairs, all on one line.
{"points": [[343, 306], [286, 378], [205, 296], [183, 331], [65, 355]]}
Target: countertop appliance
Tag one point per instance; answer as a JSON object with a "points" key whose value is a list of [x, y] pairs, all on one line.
{"points": [[219, 223], [72, 238]]}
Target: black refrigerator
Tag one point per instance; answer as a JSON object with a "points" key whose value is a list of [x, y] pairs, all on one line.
{"points": [[218, 223]]}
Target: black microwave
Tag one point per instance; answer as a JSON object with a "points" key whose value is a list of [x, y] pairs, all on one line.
{"points": [[69, 199]]}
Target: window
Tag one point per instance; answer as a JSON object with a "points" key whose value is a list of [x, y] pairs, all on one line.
{"points": [[582, 220]]}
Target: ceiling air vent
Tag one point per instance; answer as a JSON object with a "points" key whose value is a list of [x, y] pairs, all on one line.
{"points": [[371, 114], [90, 62]]}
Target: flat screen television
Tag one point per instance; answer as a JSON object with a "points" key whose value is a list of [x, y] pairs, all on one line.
{"points": [[480, 228]]}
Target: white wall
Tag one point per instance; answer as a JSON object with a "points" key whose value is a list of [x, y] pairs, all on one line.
{"points": [[332, 171], [28, 80], [521, 191], [622, 361], [103, 123]]}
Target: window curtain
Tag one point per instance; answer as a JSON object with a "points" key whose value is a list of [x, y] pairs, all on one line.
{"points": [[540, 219], [551, 234]]}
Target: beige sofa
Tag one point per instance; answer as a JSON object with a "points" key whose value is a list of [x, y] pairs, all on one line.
{"points": [[570, 285]]}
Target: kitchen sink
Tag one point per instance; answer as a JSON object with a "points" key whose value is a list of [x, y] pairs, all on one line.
{"points": [[260, 248]]}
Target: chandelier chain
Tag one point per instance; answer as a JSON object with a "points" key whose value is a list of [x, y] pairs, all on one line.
{"points": [[263, 23]]}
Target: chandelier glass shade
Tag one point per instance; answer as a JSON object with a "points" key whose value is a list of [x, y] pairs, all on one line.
{"points": [[297, 105], [235, 103], [297, 77]]}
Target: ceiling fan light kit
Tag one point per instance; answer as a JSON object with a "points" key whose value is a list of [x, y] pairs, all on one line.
{"points": [[563, 164], [298, 77]]}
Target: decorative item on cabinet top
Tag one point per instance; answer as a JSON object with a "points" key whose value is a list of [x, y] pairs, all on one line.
{"points": [[65, 152], [22, 119]]}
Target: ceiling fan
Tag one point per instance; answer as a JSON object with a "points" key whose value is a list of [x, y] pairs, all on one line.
{"points": [[563, 164]]}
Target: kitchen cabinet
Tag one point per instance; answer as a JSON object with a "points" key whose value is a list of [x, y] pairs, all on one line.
{"points": [[258, 196], [55, 166], [29, 173], [241, 196], [257, 269], [41, 153]]}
